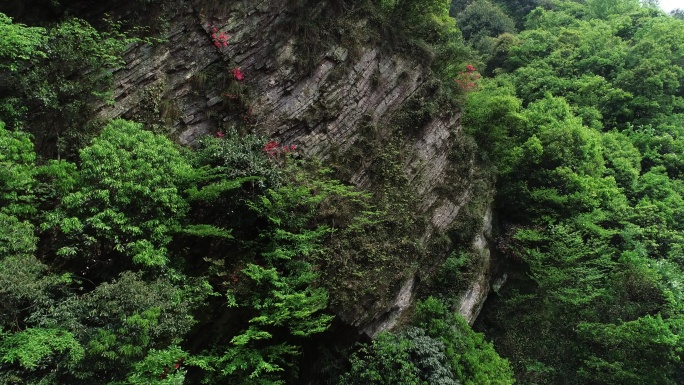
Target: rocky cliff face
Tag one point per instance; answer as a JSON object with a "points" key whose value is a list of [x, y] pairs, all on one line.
{"points": [[188, 82]]}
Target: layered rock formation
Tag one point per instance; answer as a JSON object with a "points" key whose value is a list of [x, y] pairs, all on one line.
{"points": [[187, 82]]}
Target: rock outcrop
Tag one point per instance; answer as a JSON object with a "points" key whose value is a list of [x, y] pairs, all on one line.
{"points": [[187, 82]]}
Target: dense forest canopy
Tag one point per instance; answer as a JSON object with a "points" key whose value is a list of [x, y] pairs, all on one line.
{"points": [[128, 259], [581, 120]]}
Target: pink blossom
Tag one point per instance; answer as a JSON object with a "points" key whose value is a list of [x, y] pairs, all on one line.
{"points": [[271, 147], [238, 74]]}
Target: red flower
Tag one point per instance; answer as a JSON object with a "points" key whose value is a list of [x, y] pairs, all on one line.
{"points": [[220, 39], [271, 147], [219, 134], [470, 68], [238, 74]]}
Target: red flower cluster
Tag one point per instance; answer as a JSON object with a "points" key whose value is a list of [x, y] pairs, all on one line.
{"points": [[219, 134], [239, 76], [220, 39], [273, 148], [467, 79]]}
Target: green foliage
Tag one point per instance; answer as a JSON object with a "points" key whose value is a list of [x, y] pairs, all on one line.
{"points": [[653, 70], [606, 8], [407, 358], [124, 324], [148, 253], [238, 156], [128, 199], [20, 43], [424, 29], [277, 284], [128, 194], [262, 366], [492, 117], [17, 170], [556, 171], [36, 346], [659, 147], [472, 359], [290, 301], [159, 367], [453, 274], [483, 20], [623, 159], [426, 18], [376, 245], [647, 350], [519, 9], [24, 280], [582, 124], [41, 77], [108, 260]]}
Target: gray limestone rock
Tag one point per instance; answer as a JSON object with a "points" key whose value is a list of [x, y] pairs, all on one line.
{"points": [[321, 110]]}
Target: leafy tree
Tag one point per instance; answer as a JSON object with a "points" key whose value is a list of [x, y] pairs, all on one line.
{"points": [[653, 70], [483, 18], [647, 350], [40, 77], [409, 357], [623, 160], [161, 367], [418, 14], [276, 285], [555, 171], [238, 156], [386, 361], [20, 43], [123, 323], [518, 9], [600, 207], [129, 200], [17, 159], [472, 359], [38, 348], [660, 147], [605, 8], [25, 280], [492, 117], [570, 276], [424, 29]]}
